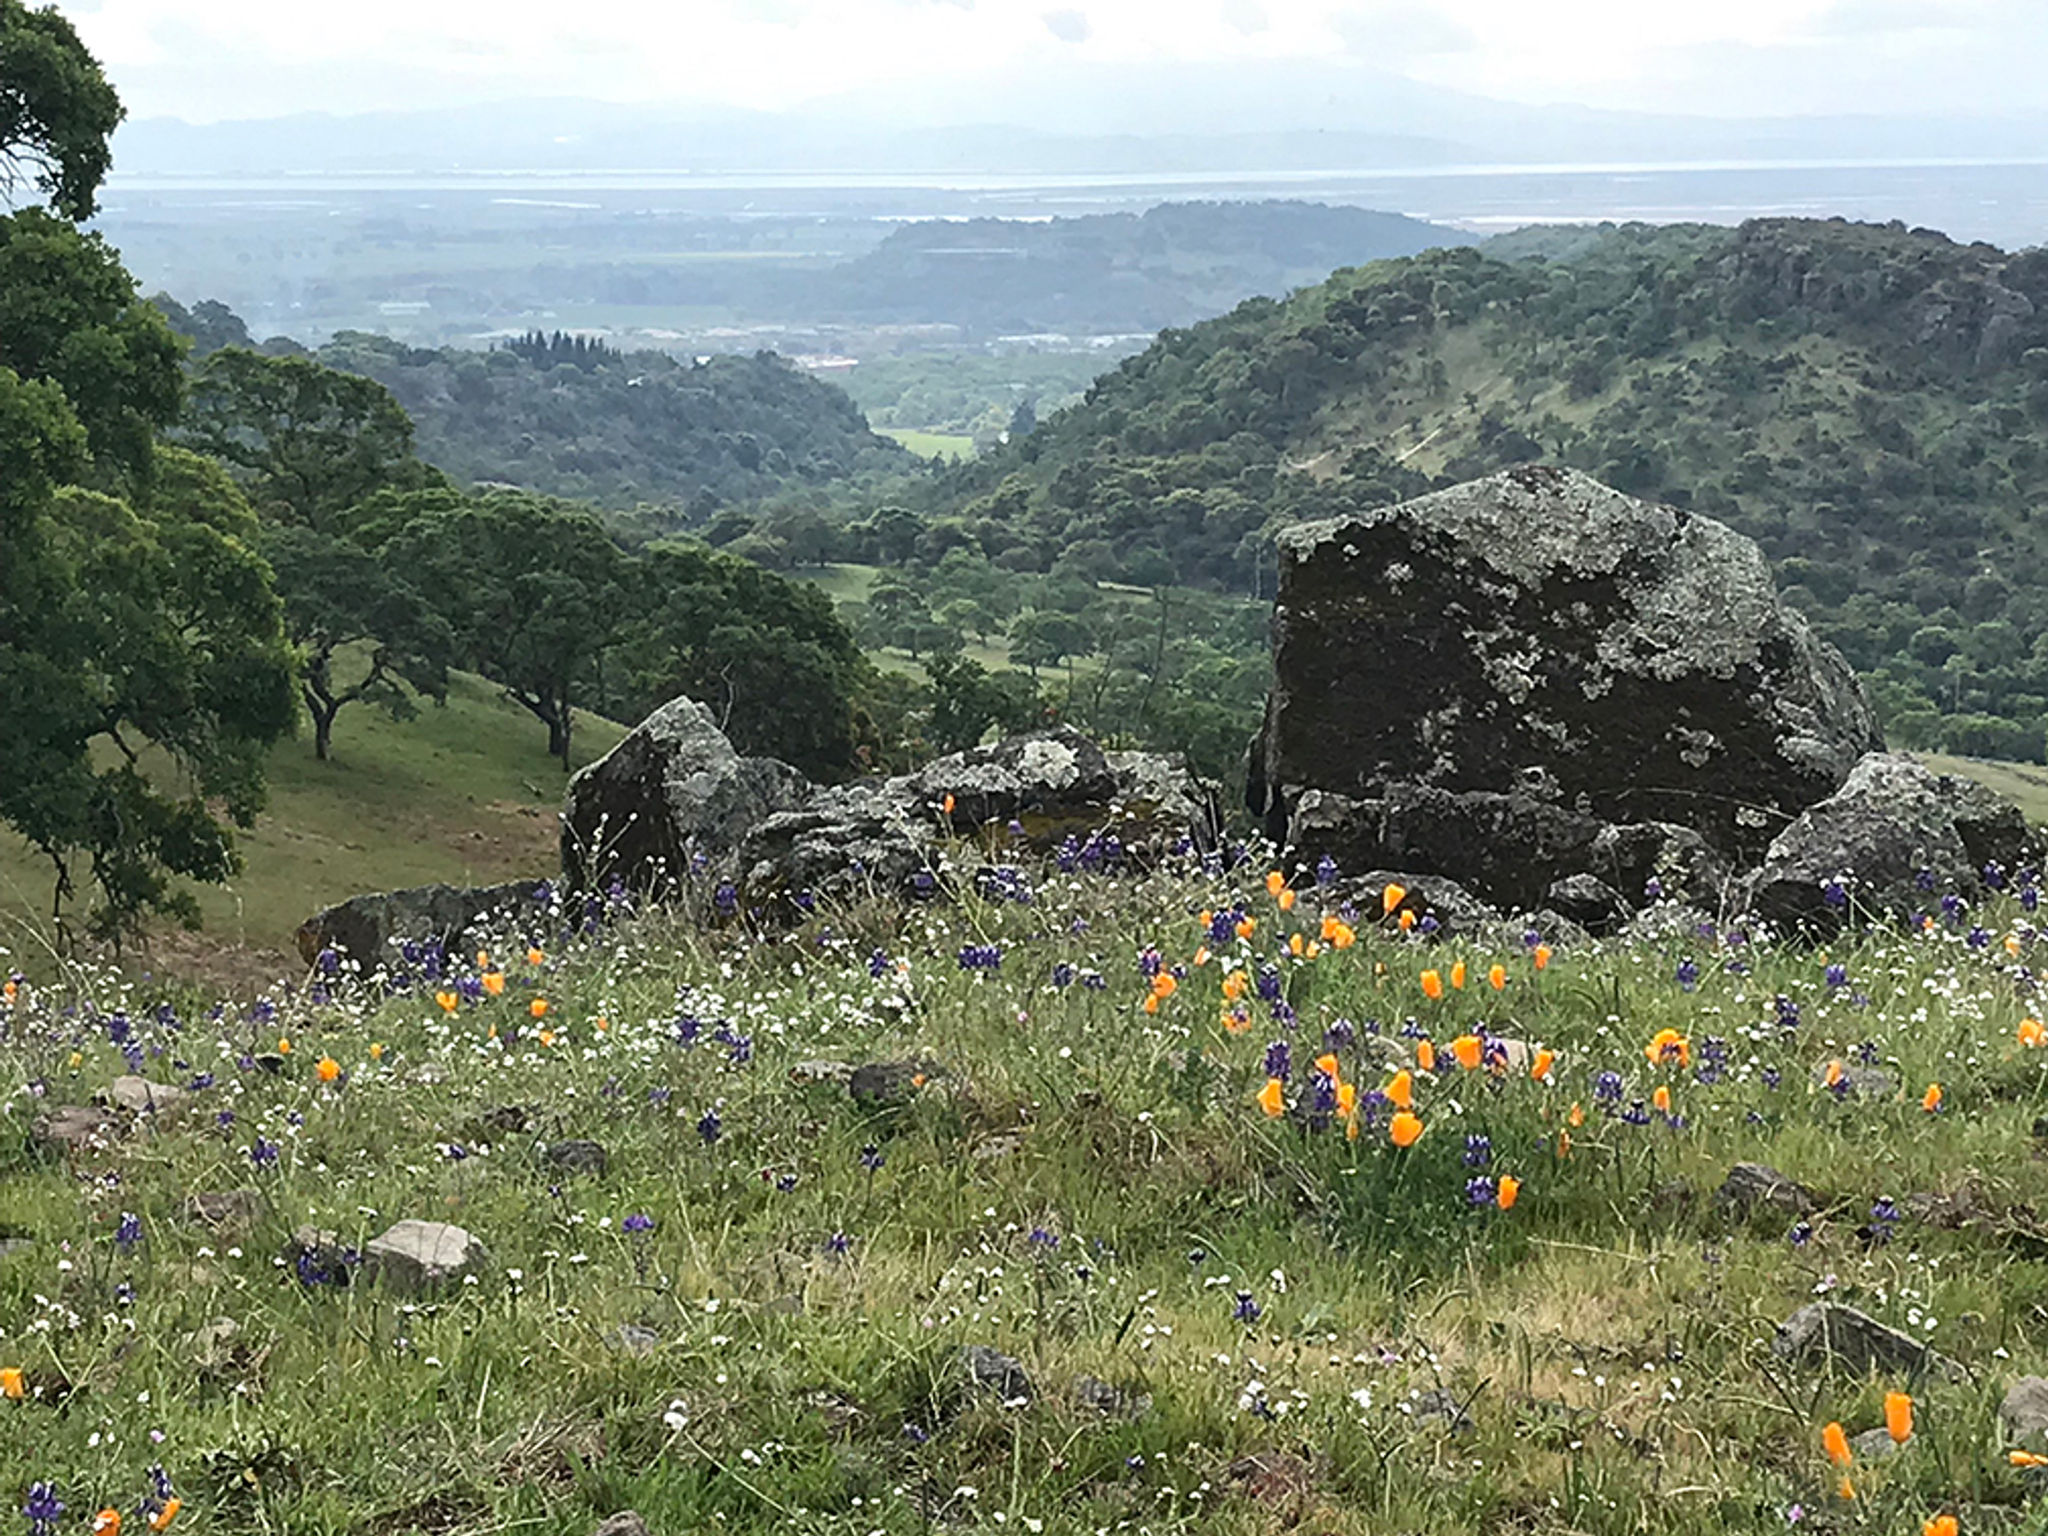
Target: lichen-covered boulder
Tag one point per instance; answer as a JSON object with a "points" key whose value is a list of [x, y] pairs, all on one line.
{"points": [[364, 928], [1894, 838], [419, 1255], [1491, 676], [673, 790]]}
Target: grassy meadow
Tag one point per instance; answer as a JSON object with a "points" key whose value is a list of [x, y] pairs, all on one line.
{"points": [[761, 1316], [932, 445]]}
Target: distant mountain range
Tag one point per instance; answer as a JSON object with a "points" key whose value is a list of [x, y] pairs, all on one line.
{"points": [[1270, 116]]}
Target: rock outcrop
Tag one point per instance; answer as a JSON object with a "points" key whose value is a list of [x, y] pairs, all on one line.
{"points": [[364, 928], [1532, 678], [675, 790], [1885, 843]]}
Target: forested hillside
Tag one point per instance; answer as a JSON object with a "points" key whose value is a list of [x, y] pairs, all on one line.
{"points": [[1870, 403]]}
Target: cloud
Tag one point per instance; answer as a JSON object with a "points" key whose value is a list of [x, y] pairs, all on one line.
{"points": [[1245, 16], [1068, 26], [1393, 34]]}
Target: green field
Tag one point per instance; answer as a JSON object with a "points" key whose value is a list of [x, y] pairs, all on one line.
{"points": [[932, 445], [464, 794]]}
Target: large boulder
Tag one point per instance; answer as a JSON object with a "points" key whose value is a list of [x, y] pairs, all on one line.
{"points": [[1486, 681], [1046, 792], [1885, 844], [365, 927], [673, 791]]}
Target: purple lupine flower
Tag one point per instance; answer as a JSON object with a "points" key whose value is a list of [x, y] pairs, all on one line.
{"points": [[1478, 1151], [1481, 1190], [1688, 974], [43, 1508], [1837, 975], [710, 1127], [1246, 1310], [637, 1223], [129, 1231], [1279, 1060]]}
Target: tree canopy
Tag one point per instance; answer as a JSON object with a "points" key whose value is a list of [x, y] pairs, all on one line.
{"points": [[57, 110]]}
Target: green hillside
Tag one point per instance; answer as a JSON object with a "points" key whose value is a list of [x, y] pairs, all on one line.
{"points": [[1867, 402], [464, 794]]}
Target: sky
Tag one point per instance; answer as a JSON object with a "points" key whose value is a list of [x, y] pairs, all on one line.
{"points": [[207, 60]]}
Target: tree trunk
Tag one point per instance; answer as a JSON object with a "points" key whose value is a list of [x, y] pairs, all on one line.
{"points": [[558, 735], [323, 707]]}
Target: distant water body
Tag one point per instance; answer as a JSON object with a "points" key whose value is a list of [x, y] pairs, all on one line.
{"points": [[2005, 202]]}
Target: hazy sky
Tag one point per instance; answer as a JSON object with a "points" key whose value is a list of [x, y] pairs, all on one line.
{"points": [[210, 59]]}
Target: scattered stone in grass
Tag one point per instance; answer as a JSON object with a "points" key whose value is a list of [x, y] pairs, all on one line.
{"points": [[236, 1208], [499, 1121], [634, 1339], [418, 1255], [13, 1244], [139, 1096], [318, 1255], [625, 1523], [889, 1082], [840, 1414], [2025, 1414], [1272, 1477], [994, 1148], [1111, 1402], [72, 1128], [1753, 1187], [1439, 1404], [579, 1157], [1857, 1341], [1847, 1080], [271, 1062], [990, 1370], [1874, 1444], [2041, 1128]]}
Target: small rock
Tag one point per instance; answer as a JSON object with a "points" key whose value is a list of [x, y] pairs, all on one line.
{"points": [[139, 1096], [579, 1157], [1111, 1402], [1439, 1404], [990, 1370], [71, 1128], [1847, 1080], [11, 1245], [1269, 1477], [635, 1340], [227, 1208], [2025, 1413], [502, 1120], [417, 1255], [213, 1345], [1858, 1341], [835, 1072], [625, 1523], [994, 1148], [888, 1082], [1874, 1444], [1751, 1187]]}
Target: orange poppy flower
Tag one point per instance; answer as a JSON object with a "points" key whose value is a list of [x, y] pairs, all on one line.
{"points": [[1458, 976], [376, 1050], [946, 805], [535, 957], [161, 1520], [1898, 1417], [1164, 985], [1668, 1045], [1273, 1097], [1469, 1049], [2033, 1033], [1931, 1099], [1835, 1442], [1347, 1099], [1392, 897], [1836, 1072], [1425, 1055], [547, 1037], [1564, 1145], [1234, 985], [1576, 1115], [328, 1070], [1506, 1191], [1403, 1129], [1343, 935], [1327, 1064], [1151, 1002], [1939, 1525], [1541, 955], [107, 1523], [1246, 927], [1202, 955], [1286, 900], [1407, 919], [11, 1383], [2026, 1458], [1351, 1127], [1275, 882], [284, 1047], [483, 959], [1294, 945], [1845, 1487], [448, 1000], [2012, 945], [1540, 1065], [494, 982], [1497, 978], [1236, 1020], [1401, 1091], [1432, 985], [1662, 1099]]}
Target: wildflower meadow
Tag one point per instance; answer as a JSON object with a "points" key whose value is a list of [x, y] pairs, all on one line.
{"points": [[1225, 1196]]}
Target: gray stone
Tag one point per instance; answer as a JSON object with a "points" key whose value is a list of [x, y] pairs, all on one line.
{"points": [[819, 1071], [2024, 1413], [1874, 1444], [626, 1522], [579, 1157], [1456, 910], [889, 1082], [139, 1096], [364, 928], [237, 1208], [674, 789], [418, 1255], [1094, 1395], [1850, 1080], [1889, 824], [14, 1243], [635, 1340], [1588, 901], [68, 1128], [1857, 1341], [993, 1372], [1753, 1187], [1497, 674]]}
